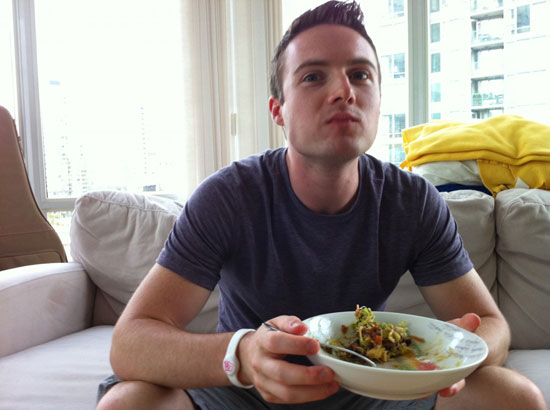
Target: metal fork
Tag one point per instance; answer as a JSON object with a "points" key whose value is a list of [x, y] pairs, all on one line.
{"points": [[329, 346]]}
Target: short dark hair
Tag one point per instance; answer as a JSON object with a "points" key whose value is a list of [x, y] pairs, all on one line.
{"points": [[343, 13]]}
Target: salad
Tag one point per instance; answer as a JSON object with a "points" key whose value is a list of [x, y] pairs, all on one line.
{"points": [[377, 341]]}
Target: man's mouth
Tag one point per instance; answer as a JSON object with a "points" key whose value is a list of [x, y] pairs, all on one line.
{"points": [[342, 118]]}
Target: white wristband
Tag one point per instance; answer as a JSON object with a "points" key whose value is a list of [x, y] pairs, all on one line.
{"points": [[231, 364]]}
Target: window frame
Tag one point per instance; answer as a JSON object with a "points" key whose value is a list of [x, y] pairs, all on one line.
{"points": [[220, 121]]}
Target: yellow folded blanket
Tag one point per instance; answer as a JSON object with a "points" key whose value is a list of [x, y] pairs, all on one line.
{"points": [[506, 147]]}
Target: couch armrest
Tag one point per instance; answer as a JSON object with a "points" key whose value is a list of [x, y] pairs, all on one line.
{"points": [[43, 302]]}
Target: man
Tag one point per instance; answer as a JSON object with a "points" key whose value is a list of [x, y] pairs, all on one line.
{"points": [[296, 232]]}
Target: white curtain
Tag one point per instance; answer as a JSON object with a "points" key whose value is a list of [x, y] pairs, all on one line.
{"points": [[256, 30]]}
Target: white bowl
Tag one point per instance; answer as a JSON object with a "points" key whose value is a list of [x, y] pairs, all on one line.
{"points": [[456, 351]]}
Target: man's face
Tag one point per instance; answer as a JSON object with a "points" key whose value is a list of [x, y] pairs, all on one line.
{"points": [[331, 93]]}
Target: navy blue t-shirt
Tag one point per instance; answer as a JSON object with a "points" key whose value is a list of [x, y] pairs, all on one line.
{"points": [[246, 230]]}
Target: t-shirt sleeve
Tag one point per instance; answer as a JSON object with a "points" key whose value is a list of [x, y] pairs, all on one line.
{"points": [[439, 253], [203, 234]]}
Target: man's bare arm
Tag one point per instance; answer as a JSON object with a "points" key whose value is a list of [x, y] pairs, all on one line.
{"points": [[150, 345], [468, 294], [149, 342]]}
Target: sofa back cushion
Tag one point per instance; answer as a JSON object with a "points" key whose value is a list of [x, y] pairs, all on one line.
{"points": [[117, 237], [523, 248], [474, 215]]}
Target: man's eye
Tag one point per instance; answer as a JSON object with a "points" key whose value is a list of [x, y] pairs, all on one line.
{"points": [[311, 77], [359, 75]]}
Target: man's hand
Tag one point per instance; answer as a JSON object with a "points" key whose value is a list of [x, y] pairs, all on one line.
{"points": [[278, 381], [470, 321]]}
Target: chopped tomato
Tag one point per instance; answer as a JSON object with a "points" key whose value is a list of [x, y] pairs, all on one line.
{"points": [[426, 366]]}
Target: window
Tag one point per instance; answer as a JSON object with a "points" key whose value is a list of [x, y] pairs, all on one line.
{"points": [[397, 154], [523, 19], [134, 95], [435, 35], [399, 65], [434, 6], [395, 124], [115, 106], [435, 92], [61, 222], [392, 125], [8, 89], [394, 65], [492, 72], [435, 63], [396, 8]]}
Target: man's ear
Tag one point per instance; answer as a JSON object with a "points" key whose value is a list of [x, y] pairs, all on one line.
{"points": [[276, 108]]}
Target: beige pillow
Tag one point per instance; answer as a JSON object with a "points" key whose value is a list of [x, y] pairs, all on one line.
{"points": [[523, 247], [474, 215], [117, 237]]}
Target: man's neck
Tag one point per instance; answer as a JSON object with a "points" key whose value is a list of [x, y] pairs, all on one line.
{"points": [[323, 188]]}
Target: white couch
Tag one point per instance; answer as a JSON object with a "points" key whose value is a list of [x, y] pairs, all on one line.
{"points": [[56, 319]]}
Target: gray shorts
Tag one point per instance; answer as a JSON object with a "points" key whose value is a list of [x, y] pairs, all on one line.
{"points": [[234, 398]]}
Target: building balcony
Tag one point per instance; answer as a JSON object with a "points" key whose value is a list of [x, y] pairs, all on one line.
{"points": [[481, 101], [486, 8], [486, 43]]}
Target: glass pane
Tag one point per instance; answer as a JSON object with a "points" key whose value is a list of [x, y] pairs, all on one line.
{"points": [[435, 92], [399, 65], [61, 222], [8, 88], [524, 19], [491, 60], [397, 8], [436, 62], [435, 34], [386, 23], [114, 96]]}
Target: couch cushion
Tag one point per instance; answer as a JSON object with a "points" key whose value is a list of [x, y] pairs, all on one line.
{"points": [[474, 215], [59, 375], [117, 237], [533, 364], [39, 303], [523, 247]]}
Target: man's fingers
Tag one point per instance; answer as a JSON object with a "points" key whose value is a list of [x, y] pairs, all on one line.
{"points": [[289, 340], [291, 383], [279, 381], [289, 324], [296, 375], [452, 390], [281, 343], [470, 322]]}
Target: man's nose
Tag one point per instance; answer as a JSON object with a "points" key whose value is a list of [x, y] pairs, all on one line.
{"points": [[342, 90]]}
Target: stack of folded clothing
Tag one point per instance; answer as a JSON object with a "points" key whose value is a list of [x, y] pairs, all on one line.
{"points": [[499, 153]]}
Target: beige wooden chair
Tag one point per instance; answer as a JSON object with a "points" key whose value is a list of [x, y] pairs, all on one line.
{"points": [[26, 236]]}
